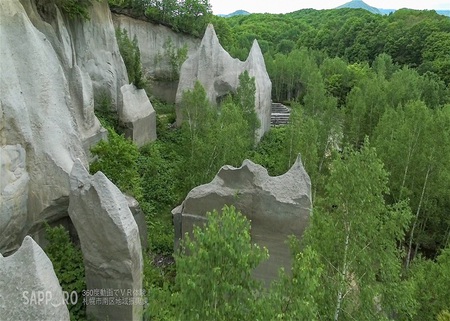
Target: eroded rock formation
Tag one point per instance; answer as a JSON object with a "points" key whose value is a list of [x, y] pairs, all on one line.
{"points": [[157, 43], [110, 243], [52, 67], [51, 70], [219, 74], [13, 196], [276, 206], [29, 288], [137, 115]]}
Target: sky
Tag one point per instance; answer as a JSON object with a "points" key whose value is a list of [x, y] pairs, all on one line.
{"points": [[285, 6]]}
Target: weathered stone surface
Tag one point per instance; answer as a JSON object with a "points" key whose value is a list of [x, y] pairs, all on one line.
{"points": [[50, 69], [139, 217], [29, 288], [155, 42], [276, 206], [13, 197], [37, 110], [109, 240], [137, 115], [219, 74]]}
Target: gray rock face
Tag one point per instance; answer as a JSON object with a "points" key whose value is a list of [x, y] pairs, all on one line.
{"points": [[219, 74], [139, 217], [153, 43], [37, 110], [276, 206], [13, 196], [138, 115], [50, 71], [109, 240], [29, 288]]}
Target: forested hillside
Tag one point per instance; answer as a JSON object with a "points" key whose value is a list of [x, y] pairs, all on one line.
{"points": [[370, 116]]}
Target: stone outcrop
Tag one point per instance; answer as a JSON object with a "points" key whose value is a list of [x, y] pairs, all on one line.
{"points": [[219, 74], [29, 288], [13, 196], [155, 43], [52, 67], [276, 206], [139, 217], [137, 115], [110, 243]]}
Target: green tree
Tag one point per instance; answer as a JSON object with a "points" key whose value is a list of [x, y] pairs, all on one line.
{"points": [[355, 233], [406, 141], [214, 270], [129, 50], [432, 279], [245, 99], [199, 132], [297, 296]]}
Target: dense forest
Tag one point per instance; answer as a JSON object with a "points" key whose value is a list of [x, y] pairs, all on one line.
{"points": [[370, 116]]}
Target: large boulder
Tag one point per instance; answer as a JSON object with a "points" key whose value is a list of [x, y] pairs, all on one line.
{"points": [[29, 288], [110, 243], [137, 115], [219, 74], [13, 196], [276, 206]]}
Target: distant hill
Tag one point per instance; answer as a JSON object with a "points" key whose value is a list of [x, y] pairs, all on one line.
{"points": [[359, 4], [441, 12], [444, 12], [236, 13]]}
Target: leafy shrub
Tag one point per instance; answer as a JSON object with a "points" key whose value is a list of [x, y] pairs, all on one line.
{"points": [[104, 112], [117, 158], [68, 265], [72, 8], [129, 50]]}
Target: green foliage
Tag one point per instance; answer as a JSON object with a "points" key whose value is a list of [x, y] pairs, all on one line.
{"points": [[117, 158], [406, 140], [68, 264], [355, 233], [214, 270], [129, 50], [104, 112], [245, 100], [72, 8], [412, 38], [432, 279], [444, 316], [296, 297], [174, 57], [209, 137], [270, 152], [189, 16]]}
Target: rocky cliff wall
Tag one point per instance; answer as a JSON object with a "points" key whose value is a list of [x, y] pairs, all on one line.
{"points": [[51, 69], [157, 43]]}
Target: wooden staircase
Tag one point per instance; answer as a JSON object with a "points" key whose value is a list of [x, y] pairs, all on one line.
{"points": [[279, 114]]}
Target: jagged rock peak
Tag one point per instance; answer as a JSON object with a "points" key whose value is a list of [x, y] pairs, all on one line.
{"points": [[277, 206], [29, 288], [219, 73], [110, 242]]}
